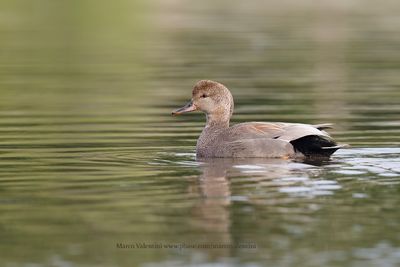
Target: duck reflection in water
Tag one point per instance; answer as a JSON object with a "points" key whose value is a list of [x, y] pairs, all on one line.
{"points": [[212, 213]]}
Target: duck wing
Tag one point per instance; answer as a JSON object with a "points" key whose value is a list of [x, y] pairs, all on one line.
{"points": [[255, 130], [275, 130], [280, 139]]}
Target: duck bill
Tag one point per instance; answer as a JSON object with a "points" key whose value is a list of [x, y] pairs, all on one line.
{"points": [[189, 107]]}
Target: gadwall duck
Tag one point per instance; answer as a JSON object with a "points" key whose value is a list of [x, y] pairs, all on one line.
{"points": [[251, 139]]}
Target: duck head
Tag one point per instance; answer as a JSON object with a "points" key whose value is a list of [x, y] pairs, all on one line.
{"points": [[213, 98]]}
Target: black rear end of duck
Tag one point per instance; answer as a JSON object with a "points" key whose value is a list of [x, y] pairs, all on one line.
{"points": [[315, 146]]}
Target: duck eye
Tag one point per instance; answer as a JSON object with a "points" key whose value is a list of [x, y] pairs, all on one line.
{"points": [[203, 95]]}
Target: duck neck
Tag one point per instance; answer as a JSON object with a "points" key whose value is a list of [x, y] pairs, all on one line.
{"points": [[214, 126], [217, 122]]}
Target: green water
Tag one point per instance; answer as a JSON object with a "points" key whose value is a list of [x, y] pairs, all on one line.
{"points": [[90, 156]]}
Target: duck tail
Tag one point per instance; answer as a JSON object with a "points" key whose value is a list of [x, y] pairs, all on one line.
{"points": [[323, 126], [316, 146], [329, 150]]}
